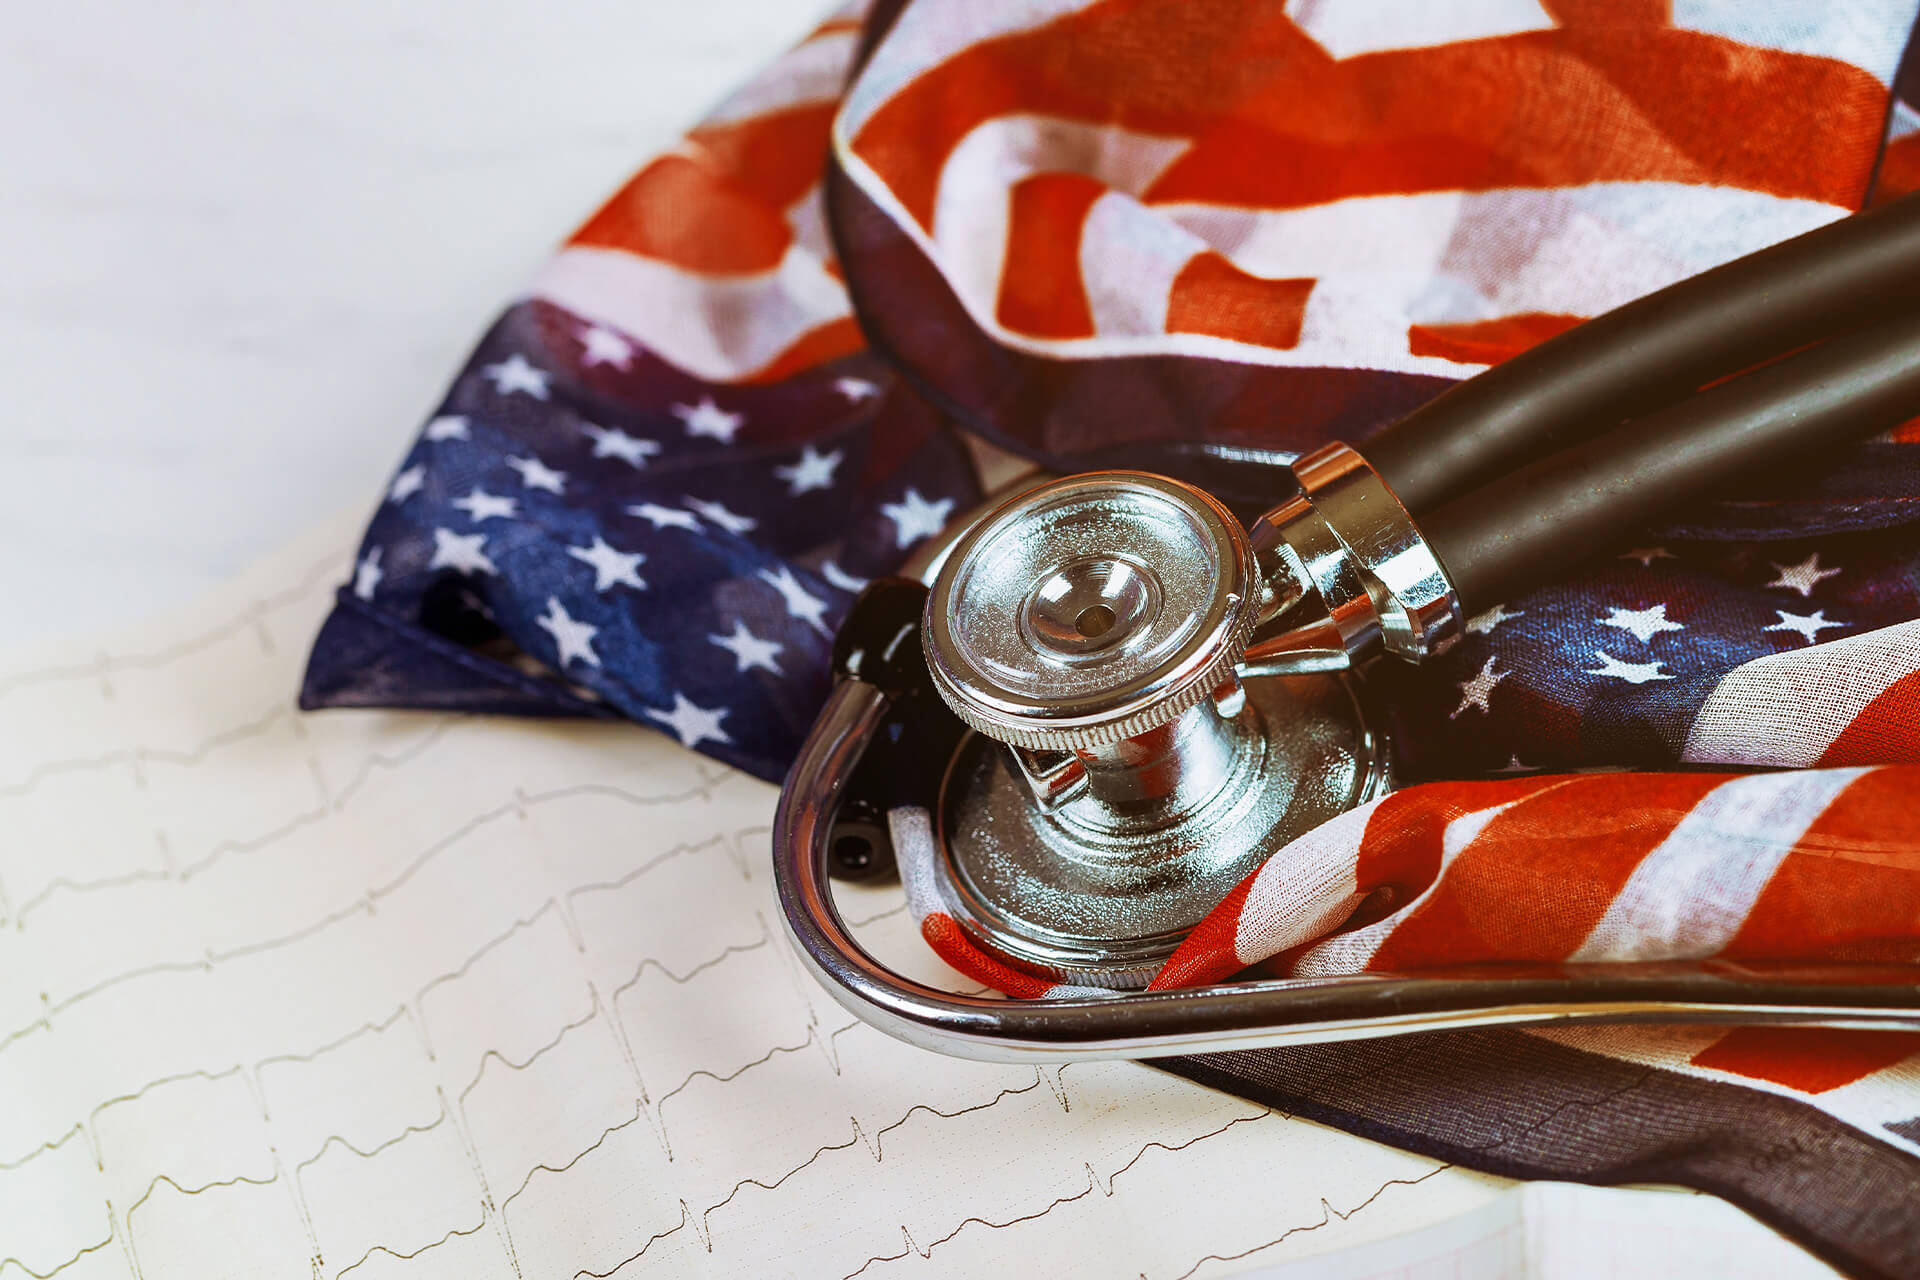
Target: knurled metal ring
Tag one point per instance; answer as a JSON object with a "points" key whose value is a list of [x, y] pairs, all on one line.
{"points": [[1162, 570]]}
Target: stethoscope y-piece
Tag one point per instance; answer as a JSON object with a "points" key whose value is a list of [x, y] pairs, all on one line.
{"points": [[1126, 701]]}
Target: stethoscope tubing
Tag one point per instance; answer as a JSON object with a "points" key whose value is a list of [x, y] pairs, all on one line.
{"points": [[1526, 526], [1653, 352]]}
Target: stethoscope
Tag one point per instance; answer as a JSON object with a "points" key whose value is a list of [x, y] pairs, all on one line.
{"points": [[1107, 702]]}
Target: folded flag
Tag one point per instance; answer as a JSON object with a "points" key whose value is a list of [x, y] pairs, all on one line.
{"points": [[1202, 238]]}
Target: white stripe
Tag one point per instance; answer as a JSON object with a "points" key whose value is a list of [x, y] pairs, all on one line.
{"points": [[914, 853], [1867, 33], [1787, 708], [1345, 28], [1394, 243], [926, 35], [1304, 890], [813, 71], [722, 329], [808, 218], [1904, 122], [1690, 895], [1129, 259], [1447, 256]]}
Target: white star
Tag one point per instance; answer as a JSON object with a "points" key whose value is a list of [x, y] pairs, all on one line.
{"points": [[709, 419], [664, 517], [748, 650], [840, 578], [611, 442], [1474, 692], [728, 520], [535, 474], [1643, 623], [1631, 672], [462, 551], [481, 505], [1481, 624], [801, 603], [1809, 625], [407, 483], [604, 346], [515, 374], [813, 471], [1647, 555], [571, 637], [691, 724], [914, 517], [1802, 577], [448, 427], [611, 566], [856, 389], [367, 575]]}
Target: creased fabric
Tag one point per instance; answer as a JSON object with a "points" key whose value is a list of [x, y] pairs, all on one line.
{"points": [[1204, 237]]}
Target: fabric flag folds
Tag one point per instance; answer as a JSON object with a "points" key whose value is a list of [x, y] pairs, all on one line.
{"points": [[1202, 237]]}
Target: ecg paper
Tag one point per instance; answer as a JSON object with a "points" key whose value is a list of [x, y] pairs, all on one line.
{"points": [[380, 994]]}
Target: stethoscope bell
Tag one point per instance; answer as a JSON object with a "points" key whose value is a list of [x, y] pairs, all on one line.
{"points": [[1125, 771]]}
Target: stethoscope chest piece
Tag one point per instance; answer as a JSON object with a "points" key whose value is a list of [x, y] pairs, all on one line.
{"points": [[1123, 774]]}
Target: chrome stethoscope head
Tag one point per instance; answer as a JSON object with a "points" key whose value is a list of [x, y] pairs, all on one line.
{"points": [[1123, 776]]}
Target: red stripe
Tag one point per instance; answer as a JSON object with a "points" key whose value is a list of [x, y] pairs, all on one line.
{"points": [[1899, 170], [1532, 885], [1400, 853], [1041, 292], [1810, 1059], [958, 950], [1883, 732], [1850, 890], [1487, 341], [1214, 297], [776, 157], [689, 214], [1208, 954]]}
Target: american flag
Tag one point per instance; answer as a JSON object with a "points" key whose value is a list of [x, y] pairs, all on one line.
{"points": [[1203, 238]]}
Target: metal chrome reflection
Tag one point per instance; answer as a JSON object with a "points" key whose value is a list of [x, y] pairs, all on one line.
{"points": [[1090, 629], [1247, 1015], [1347, 574]]}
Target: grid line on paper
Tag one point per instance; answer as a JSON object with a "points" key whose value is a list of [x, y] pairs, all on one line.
{"points": [[322, 572], [1328, 1215], [432, 1009], [360, 905]]}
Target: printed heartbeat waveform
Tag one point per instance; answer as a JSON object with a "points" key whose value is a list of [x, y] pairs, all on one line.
{"points": [[380, 994]]}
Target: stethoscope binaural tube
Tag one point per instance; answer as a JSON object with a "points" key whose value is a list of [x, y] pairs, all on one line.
{"points": [[1652, 352], [1525, 527]]}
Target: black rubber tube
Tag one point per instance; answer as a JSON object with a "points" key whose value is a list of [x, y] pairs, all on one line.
{"points": [[1533, 524], [1652, 352]]}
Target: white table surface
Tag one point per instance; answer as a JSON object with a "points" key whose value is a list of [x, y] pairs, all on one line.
{"points": [[243, 246]]}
